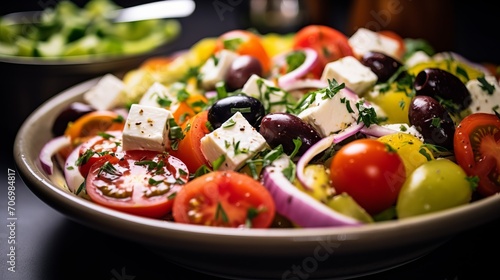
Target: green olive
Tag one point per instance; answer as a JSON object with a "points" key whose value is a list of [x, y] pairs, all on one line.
{"points": [[433, 186]]}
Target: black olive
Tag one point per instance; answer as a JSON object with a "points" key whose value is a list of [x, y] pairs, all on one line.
{"points": [[382, 65], [240, 71], [441, 84], [69, 114], [251, 108], [432, 120], [283, 128]]}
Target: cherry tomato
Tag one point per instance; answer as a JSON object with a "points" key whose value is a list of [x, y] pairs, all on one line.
{"points": [[329, 43], [142, 183], [477, 150], [189, 148], [245, 42], [92, 123], [104, 145], [369, 171], [224, 199]]}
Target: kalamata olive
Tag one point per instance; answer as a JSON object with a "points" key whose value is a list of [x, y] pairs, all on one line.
{"points": [[251, 108], [69, 114], [283, 128], [240, 70], [432, 120], [382, 65], [439, 83]]}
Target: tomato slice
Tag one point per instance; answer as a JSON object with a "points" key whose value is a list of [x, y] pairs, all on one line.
{"points": [[224, 199], [92, 123], [142, 183], [189, 148], [245, 42], [477, 150], [329, 43], [104, 145]]}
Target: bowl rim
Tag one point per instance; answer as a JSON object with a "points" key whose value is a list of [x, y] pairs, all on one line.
{"points": [[464, 217]]}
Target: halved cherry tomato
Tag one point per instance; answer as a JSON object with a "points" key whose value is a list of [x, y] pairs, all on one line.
{"points": [[92, 123], [104, 145], [369, 171], [477, 150], [224, 199], [142, 183], [330, 44], [189, 148], [395, 36], [245, 42]]}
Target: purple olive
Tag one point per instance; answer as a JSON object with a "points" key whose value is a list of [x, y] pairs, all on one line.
{"points": [[283, 128], [381, 64], [432, 120], [240, 71], [441, 84], [69, 114]]}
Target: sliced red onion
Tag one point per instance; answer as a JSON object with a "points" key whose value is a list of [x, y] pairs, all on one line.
{"points": [[72, 174], [375, 130], [50, 149], [319, 147], [288, 78], [305, 84], [299, 207]]}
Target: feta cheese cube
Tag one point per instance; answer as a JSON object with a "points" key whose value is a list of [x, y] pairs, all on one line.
{"points": [[273, 98], [159, 95], [485, 94], [107, 94], [215, 68], [146, 128], [330, 115], [416, 58], [365, 40], [235, 141], [351, 72]]}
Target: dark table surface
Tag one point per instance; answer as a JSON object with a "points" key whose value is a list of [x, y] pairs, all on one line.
{"points": [[51, 246]]}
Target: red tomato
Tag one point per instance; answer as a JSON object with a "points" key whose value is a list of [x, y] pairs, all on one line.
{"points": [[225, 199], [189, 148], [142, 183], [477, 150], [245, 42], [330, 44], [104, 145], [370, 171]]}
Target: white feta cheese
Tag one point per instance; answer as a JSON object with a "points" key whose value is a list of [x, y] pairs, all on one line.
{"points": [[235, 141], [215, 68], [405, 128], [485, 94], [107, 94], [352, 73], [416, 58], [146, 128], [330, 115], [273, 98], [159, 95], [365, 40]]}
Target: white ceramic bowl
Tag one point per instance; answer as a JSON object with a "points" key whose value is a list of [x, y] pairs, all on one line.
{"points": [[248, 254]]}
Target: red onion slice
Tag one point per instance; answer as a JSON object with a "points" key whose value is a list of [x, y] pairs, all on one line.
{"points": [[72, 174], [299, 207], [305, 84], [311, 60], [49, 150], [319, 147]]}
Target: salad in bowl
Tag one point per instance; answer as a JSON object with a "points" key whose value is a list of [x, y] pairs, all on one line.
{"points": [[314, 129]]}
